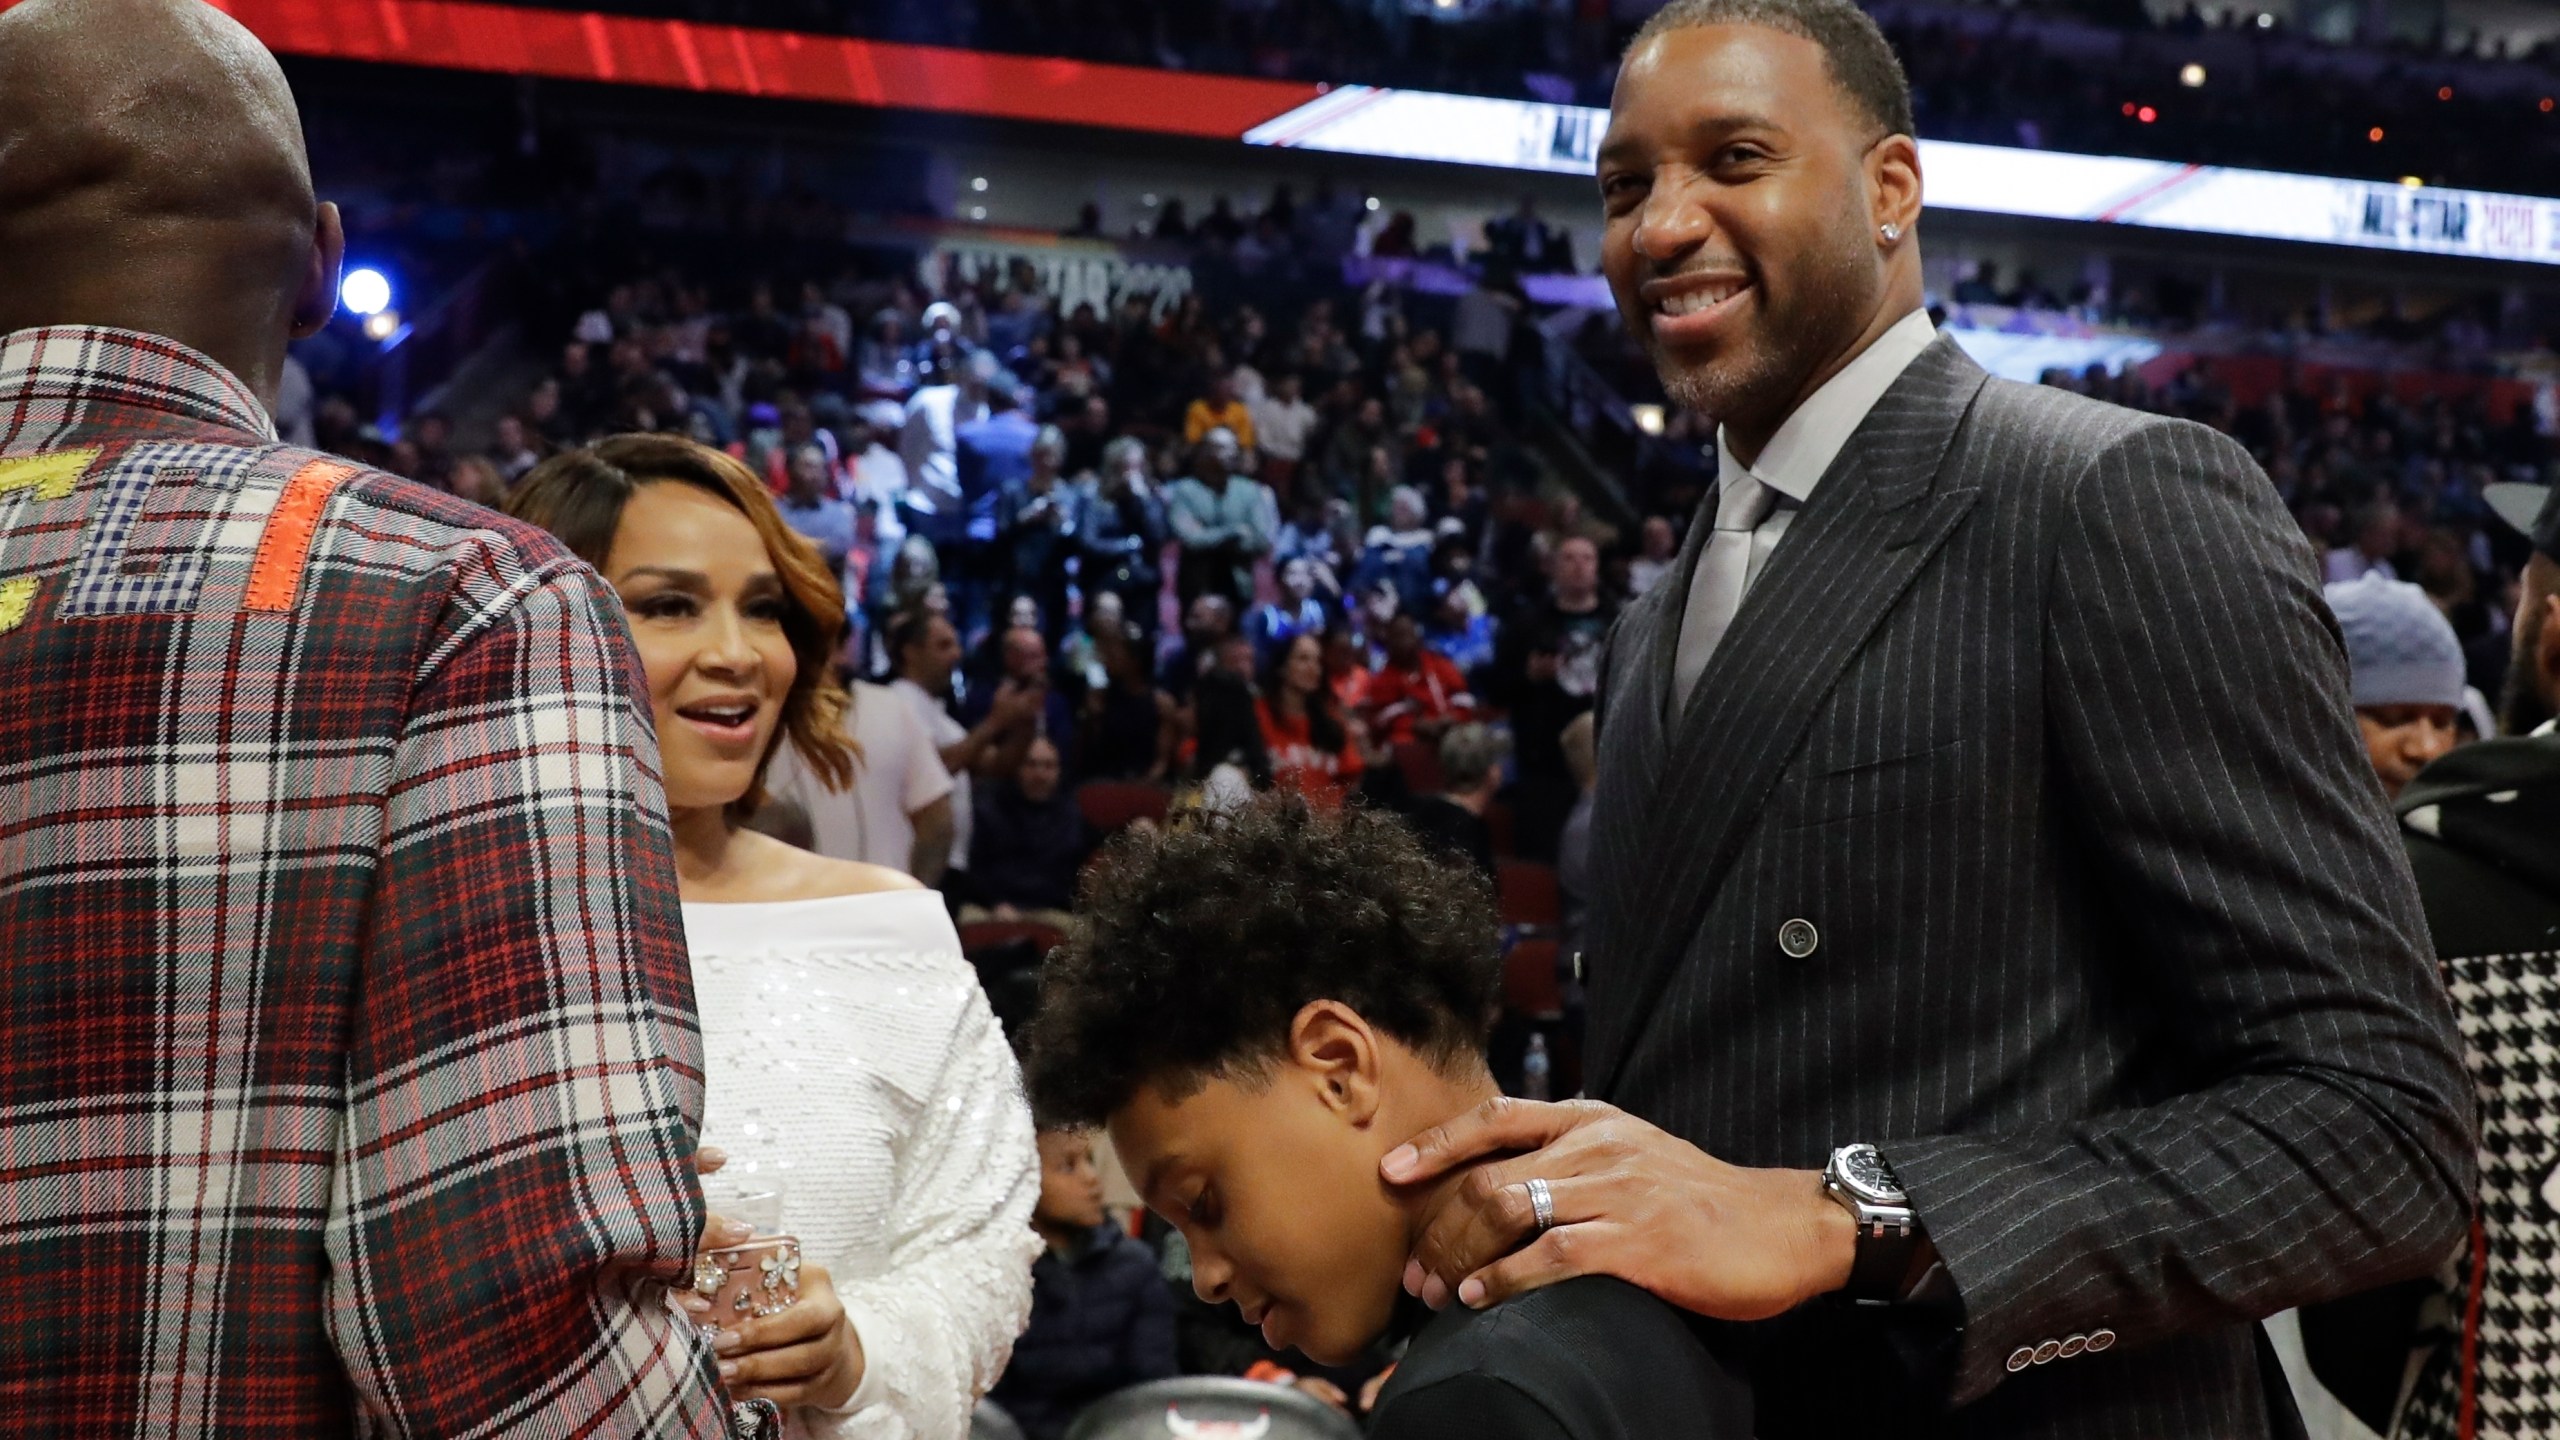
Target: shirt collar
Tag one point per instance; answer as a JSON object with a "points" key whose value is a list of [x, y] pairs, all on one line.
{"points": [[1793, 461], [92, 365]]}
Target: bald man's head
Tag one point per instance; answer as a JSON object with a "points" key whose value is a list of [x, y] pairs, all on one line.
{"points": [[152, 177]]}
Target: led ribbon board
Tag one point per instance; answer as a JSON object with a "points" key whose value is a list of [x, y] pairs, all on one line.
{"points": [[782, 64], [1993, 179]]}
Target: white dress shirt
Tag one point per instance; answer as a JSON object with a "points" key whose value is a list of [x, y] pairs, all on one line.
{"points": [[1793, 461]]}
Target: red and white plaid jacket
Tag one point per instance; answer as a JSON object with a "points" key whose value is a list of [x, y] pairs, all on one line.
{"points": [[348, 1072]]}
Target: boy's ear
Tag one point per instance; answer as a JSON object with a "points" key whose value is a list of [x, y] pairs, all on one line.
{"points": [[1331, 1045]]}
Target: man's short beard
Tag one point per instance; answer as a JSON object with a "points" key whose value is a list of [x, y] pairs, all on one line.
{"points": [[1747, 385]]}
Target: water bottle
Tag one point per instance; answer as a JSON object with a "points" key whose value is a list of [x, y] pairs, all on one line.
{"points": [[1534, 1068]]}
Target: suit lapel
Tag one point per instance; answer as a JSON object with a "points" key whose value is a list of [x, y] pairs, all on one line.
{"points": [[1633, 741], [1872, 525], [1648, 635]]}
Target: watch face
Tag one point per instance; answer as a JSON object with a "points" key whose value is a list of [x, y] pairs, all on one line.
{"points": [[1864, 1171]]}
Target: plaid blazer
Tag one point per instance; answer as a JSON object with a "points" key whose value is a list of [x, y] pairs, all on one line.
{"points": [[348, 1071]]}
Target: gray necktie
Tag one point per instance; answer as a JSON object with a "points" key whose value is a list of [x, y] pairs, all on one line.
{"points": [[1715, 592]]}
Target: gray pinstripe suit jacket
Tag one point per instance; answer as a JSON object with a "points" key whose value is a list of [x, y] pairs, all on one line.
{"points": [[2038, 718]]}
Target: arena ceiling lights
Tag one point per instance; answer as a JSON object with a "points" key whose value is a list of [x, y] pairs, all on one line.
{"points": [[1357, 120]]}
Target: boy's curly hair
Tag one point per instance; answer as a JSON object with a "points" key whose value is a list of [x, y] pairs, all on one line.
{"points": [[1199, 944]]}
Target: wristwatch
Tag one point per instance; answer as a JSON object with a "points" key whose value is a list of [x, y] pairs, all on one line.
{"points": [[1888, 1233]]}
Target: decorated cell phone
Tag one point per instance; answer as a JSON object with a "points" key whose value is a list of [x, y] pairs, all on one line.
{"points": [[742, 1282]]}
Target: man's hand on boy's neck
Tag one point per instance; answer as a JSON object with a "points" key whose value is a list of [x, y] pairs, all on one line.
{"points": [[1440, 1101], [1630, 1200]]}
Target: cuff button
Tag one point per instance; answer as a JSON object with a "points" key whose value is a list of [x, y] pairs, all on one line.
{"points": [[2046, 1351], [2021, 1358], [2073, 1346], [2100, 1340]]}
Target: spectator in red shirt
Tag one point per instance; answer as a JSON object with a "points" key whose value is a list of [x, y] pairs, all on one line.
{"points": [[1418, 694], [1312, 748]]}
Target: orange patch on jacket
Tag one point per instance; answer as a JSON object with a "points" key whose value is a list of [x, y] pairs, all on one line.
{"points": [[275, 575]]}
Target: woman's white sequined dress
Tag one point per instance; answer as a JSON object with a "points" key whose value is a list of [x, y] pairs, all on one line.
{"points": [[849, 1054]]}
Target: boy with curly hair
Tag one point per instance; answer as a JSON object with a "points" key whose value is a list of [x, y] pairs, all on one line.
{"points": [[1259, 1007]]}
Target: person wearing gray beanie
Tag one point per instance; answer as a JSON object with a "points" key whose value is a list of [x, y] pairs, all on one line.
{"points": [[2405, 675]]}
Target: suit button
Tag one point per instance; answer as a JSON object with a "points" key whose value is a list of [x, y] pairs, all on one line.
{"points": [[2100, 1340], [1577, 967], [1799, 939], [2074, 1346], [2021, 1358], [2046, 1351]]}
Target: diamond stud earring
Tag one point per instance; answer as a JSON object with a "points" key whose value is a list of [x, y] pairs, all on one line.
{"points": [[1891, 233]]}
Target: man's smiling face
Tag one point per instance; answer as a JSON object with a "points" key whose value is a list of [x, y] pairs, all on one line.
{"points": [[1737, 239]]}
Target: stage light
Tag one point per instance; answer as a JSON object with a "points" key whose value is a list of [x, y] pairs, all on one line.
{"points": [[977, 212], [381, 324], [364, 291], [2128, 109], [2413, 182], [1373, 200], [979, 184], [2444, 92], [1148, 200], [2191, 76], [2146, 115], [2374, 134], [2266, 21], [1648, 418], [2546, 104]]}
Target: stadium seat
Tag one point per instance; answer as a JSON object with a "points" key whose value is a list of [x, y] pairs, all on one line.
{"points": [[1529, 985], [1212, 1405], [996, 934], [1529, 894], [1111, 806], [1419, 761], [1506, 831]]}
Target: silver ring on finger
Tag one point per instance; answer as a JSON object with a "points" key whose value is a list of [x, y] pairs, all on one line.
{"points": [[1542, 1207]]}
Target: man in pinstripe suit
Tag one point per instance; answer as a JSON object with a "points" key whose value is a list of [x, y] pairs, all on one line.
{"points": [[2005, 982]]}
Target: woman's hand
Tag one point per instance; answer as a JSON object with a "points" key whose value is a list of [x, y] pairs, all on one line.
{"points": [[806, 1355]]}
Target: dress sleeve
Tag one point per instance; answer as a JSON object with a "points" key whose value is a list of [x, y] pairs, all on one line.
{"points": [[938, 1325]]}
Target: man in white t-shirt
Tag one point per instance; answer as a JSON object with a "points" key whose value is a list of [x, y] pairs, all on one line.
{"points": [[1283, 419], [924, 652], [899, 812]]}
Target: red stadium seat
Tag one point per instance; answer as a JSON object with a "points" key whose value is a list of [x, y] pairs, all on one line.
{"points": [[1419, 761], [1529, 985], [1113, 805], [1529, 893], [994, 934]]}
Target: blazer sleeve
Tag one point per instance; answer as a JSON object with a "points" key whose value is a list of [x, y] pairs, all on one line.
{"points": [[2198, 723]]}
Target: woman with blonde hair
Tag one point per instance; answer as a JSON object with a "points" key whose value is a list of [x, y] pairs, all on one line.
{"points": [[851, 1061]]}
